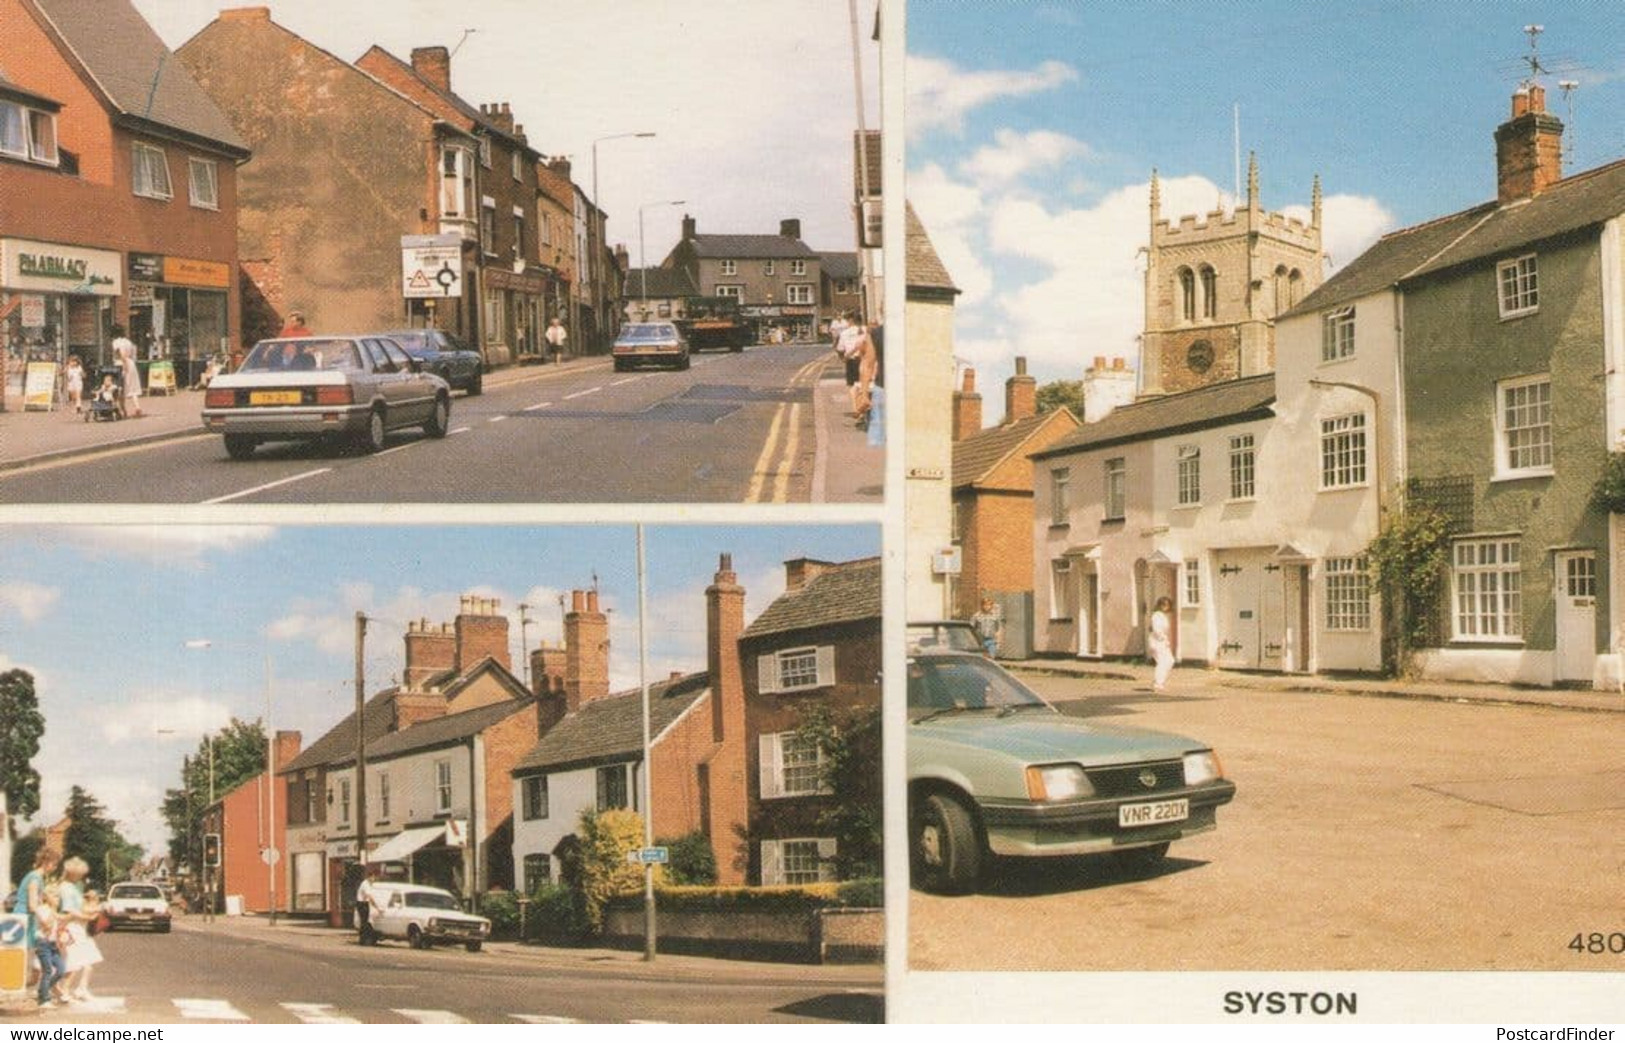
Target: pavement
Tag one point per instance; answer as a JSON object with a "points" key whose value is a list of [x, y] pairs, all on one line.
{"points": [[847, 469], [1192, 680]]}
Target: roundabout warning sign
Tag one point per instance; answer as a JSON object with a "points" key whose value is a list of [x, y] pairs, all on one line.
{"points": [[431, 266]]}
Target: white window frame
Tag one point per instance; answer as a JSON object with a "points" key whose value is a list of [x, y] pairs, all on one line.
{"points": [[344, 802], [1517, 286], [24, 147], [41, 148], [517, 162], [1504, 431], [1190, 591], [775, 753], [799, 293], [493, 316], [770, 669], [731, 290], [846, 286], [1114, 488], [209, 200], [773, 860], [442, 787], [1060, 574], [767, 267], [1188, 477], [1344, 462], [1337, 334], [528, 866], [798, 267], [461, 194], [1348, 595], [730, 267], [141, 170], [1243, 467], [1060, 480], [488, 225], [1486, 589]]}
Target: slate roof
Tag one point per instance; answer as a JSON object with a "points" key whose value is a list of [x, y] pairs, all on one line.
{"points": [[1229, 402], [124, 57], [843, 593], [611, 728], [339, 741], [977, 456], [750, 246], [925, 270], [1487, 230], [841, 265], [439, 731], [663, 282]]}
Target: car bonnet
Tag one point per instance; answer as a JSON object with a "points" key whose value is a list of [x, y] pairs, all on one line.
{"points": [[1037, 737]]}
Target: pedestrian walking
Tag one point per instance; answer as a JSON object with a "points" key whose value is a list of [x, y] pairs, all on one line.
{"points": [[850, 347], [49, 941], [130, 375], [73, 381], [31, 892], [557, 338], [1161, 644], [366, 903], [81, 953], [989, 626], [295, 326]]}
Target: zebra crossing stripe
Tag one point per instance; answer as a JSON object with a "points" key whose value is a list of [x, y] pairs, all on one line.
{"points": [[209, 1010], [100, 1005], [544, 1019], [431, 1017], [318, 1014]]}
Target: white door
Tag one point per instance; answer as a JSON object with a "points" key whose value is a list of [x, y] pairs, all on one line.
{"points": [[1576, 615], [1087, 614], [1237, 583], [1272, 617]]}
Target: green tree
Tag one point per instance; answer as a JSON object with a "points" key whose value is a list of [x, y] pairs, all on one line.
{"points": [[692, 860], [606, 837], [239, 755], [23, 726], [22, 852], [849, 772], [1409, 560], [1058, 393], [94, 837]]}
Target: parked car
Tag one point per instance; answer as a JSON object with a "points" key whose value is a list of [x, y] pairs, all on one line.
{"points": [[309, 388], [132, 904], [943, 635], [993, 769], [423, 916], [659, 342], [445, 356]]}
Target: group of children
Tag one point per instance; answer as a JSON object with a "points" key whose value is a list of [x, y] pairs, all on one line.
{"points": [[73, 380], [61, 914]]}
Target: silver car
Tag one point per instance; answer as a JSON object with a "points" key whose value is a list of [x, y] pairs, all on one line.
{"points": [[659, 342], [308, 388]]}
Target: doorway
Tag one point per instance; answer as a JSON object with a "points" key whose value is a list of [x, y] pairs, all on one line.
{"points": [[1576, 600]]}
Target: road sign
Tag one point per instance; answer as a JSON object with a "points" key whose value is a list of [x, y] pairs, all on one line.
{"points": [[13, 958], [656, 855], [431, 266], [270, 856], [456, 832]]}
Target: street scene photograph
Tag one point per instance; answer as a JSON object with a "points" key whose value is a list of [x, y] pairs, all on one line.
{"points": [[440, 775], [1272, 617], [524, 252]]}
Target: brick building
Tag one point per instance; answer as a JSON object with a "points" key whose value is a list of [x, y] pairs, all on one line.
{"points": [[993, 499], [118, 192], [842, 284], [249, 820], [657, 293], [556, 242], [775, 278], [817, 645]]}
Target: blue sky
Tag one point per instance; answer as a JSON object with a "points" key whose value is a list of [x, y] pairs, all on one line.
{"points": [[1033, 128], [102, 615], [745, 136]]}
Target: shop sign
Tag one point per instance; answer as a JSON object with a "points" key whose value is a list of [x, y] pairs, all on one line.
{"points": [[39, 386], [431, 266], [148, 268], [140, 293], [187, 271], [52, 268], [527, 282], [32, 310]]}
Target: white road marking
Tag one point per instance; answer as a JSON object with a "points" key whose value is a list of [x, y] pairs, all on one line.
{"points": [[269, 485], [318, 1014], [99, 1005], [209, 1010], [589, 391], [628, 380], [431, 1017], [544, 1019], [455, 431], [539, 405], [496, 419]]}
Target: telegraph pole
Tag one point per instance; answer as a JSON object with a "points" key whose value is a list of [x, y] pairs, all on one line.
{"points": [[360, 741], [648, 806]]}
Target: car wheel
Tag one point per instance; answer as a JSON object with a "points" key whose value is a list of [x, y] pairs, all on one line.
{"points": [[1140, 860], [372, 439], [683, 362], [439, 421], [163, 928], [415, 938], [477, 385], [241, 447], [472, 946], [947, 853], [620, 365], [445, 374]]}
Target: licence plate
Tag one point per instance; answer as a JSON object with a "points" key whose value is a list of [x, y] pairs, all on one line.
{"points": [[1130, 815], [274, 398]]}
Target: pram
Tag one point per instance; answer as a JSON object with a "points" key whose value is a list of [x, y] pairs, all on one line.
{"points": [[107, 395]]}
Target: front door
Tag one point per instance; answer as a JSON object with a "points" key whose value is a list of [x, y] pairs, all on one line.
{"points": [[1272, 618], [1576, 615], [1086, 614], [1237, 582]]}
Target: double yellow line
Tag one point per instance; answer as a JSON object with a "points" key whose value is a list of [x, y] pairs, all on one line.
{"points": [[770, 480]]}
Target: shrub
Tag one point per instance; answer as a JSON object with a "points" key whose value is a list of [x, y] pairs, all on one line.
{"points": [[861, 894], [868, 893], [502, 909], [606, 837], [1608, 494], [556, 914], [692, 860], [1409, 560]]}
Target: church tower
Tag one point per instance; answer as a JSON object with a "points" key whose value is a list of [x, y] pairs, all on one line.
{"points": [[1214, 287]]}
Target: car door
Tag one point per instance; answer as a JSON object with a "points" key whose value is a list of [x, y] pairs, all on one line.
{"points": [[416, 389], [387, 921]]}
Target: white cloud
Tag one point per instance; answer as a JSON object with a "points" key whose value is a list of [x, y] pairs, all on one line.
{"points": [[1013, 155], [1350, 224], [187, 544], [29, 601], [940, 93], [182, 719], [953, 215]]}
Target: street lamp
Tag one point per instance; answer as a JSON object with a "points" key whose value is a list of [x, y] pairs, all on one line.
{"points": [[594, 242], [208, 742], [643, 264]]}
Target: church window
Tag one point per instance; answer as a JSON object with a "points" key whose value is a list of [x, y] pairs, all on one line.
{"points": [[1187, 295], [1210, 292]]}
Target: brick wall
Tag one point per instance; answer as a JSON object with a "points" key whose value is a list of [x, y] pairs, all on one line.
{"points": [[673, 778]]}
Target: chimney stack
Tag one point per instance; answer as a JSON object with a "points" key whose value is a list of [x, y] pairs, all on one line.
{"points": [[560, 165], [967, 408], [790, 228], [1020, 394], [499, 114], [1528, 147], [586, 651], [434, 65], [724, 622], [688, 227], [430, 649], [482, 630], [287, 747], [547, 670], [798, 572]]}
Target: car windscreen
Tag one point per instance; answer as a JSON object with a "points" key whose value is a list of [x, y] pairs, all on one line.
{"points": [[294, 356], [964, 683], [647, 333], [430, 900], [413, 342], [950, 637], [134, 891]]}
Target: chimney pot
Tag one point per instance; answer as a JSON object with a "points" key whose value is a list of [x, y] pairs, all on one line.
{"points": [[246, 14], [1100, 362], [1021, 365], [578, 601], [592, 601]]}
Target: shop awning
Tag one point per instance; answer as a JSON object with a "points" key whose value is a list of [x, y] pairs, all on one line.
{"points": [[400, 847]]}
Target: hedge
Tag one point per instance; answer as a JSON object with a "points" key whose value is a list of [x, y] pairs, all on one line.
{"points": [[854, 894]]}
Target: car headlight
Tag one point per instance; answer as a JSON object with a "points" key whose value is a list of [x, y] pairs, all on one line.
{"points": [[1202, 766], [1057, 782], [434, 923]]}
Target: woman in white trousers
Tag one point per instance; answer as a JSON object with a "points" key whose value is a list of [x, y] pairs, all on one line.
{"points": [[1162, 644]]}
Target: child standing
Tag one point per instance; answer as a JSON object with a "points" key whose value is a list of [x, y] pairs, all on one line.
{"points": [[73, 378]]}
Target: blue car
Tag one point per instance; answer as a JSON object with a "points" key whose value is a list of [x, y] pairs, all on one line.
{"points": [[445, 356]]}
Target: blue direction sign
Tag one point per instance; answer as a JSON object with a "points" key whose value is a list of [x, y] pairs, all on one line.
{"points": [[13, 930], [658, 855]]}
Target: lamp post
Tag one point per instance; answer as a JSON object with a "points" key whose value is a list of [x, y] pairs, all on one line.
{"points": [[643, 263], [594, 242], [208, 742]]}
